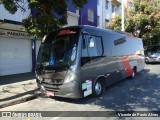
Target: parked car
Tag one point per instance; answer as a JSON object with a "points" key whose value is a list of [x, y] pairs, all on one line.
{"points": [[152, 54]]}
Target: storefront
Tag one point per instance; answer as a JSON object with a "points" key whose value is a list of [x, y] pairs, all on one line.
{"points": [[17, 52]]}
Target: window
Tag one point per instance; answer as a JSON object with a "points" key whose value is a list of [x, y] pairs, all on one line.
{"points": [[90, 15], [116, 10], [113, 8], [107, 3], [92, 46], [106, 23]]}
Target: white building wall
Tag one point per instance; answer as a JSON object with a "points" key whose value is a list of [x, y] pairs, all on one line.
{"points": [[106, 14], [15, 49], [100, 13], [72, 18]]}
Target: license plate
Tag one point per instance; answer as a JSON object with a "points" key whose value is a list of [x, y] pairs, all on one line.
{"points": [[153, 59], [49, 93]]}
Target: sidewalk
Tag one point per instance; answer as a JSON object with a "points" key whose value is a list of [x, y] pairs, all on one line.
{"points": [[17, 88]]}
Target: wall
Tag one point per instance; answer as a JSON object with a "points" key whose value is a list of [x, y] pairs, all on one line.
{"points": [[92, 4], [106, 14], [72, 14], [71, 7]]}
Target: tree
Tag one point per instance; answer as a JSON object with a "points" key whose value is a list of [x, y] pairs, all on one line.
{"points": [[116, 23], [142, 19], [46, 15]]}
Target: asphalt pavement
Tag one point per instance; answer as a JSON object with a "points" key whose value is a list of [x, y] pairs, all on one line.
{"points": [[141, 94], [17, 88]]}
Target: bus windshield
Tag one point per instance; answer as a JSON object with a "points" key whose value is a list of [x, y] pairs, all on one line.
{"points": [[58, 48]]}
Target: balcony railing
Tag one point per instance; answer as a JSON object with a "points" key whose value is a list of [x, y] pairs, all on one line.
{"points": [[116, 2]]}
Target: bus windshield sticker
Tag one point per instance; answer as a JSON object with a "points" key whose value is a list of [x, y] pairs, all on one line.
{"points": [[87, 86], [84, 86], [51, 61], [88, 92]]}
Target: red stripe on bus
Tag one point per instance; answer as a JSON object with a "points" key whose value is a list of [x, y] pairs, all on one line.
{"points": [[127, 66]]}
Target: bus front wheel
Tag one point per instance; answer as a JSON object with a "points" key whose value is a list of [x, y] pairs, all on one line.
{"points": [[97, 88]]}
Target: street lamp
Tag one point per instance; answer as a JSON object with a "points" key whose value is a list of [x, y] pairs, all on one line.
{"points": [[122, 15]]}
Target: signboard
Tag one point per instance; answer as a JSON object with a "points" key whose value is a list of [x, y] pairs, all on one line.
{"points": [[15, 34], [66, 32]]}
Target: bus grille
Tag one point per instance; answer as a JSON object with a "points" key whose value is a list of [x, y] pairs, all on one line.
{"points": [[50, 87], [53, 81]]}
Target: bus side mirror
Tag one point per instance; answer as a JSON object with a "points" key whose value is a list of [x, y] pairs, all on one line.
{"points": [[91, 42]]}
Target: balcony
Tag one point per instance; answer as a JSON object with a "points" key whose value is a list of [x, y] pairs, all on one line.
{"points": [[116, 2]]}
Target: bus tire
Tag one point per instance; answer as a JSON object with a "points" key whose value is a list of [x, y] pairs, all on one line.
{"points": [[133, 73], [98, 88]]}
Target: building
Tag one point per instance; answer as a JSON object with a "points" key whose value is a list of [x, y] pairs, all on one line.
{"points": [[106, 10], [73, 14], [17, 48], [88, 14]]}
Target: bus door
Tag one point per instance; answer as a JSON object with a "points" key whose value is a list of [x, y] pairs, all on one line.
{"points": [[91, 61]]}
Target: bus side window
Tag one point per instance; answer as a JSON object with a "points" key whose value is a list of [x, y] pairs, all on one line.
{"points": [[92, 46], [99, 45]]}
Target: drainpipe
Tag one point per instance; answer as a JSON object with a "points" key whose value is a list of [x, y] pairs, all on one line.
{"points": [[33, 54]]}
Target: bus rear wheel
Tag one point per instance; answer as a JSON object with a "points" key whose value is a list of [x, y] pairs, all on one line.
{"points": [[133, 73], [97, 89]]}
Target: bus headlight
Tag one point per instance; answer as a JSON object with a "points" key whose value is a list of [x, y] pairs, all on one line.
{"points": [[69, 78]]}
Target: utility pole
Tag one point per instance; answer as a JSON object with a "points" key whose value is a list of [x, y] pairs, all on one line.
{"points": [[103, 15], [122, 15]]}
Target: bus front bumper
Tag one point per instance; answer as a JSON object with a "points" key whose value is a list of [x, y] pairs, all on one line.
{"points": [[67, 90]]}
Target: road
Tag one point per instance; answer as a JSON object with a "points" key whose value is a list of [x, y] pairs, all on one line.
{"points": [[139, 94]]}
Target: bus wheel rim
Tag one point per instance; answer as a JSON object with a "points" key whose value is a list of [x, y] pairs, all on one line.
{"points": [[98, 88]]}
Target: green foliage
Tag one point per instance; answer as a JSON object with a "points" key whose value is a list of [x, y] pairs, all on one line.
{"points": [[11, 5], [45, 20], [79, 3], [116, 23], [142, 20], [48, 14]]}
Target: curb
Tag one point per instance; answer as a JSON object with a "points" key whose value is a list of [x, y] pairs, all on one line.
{"points": [[20, 100]]}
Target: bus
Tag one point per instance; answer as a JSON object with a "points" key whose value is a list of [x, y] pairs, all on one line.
{"points": [[78, 61], [152, 54]]}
